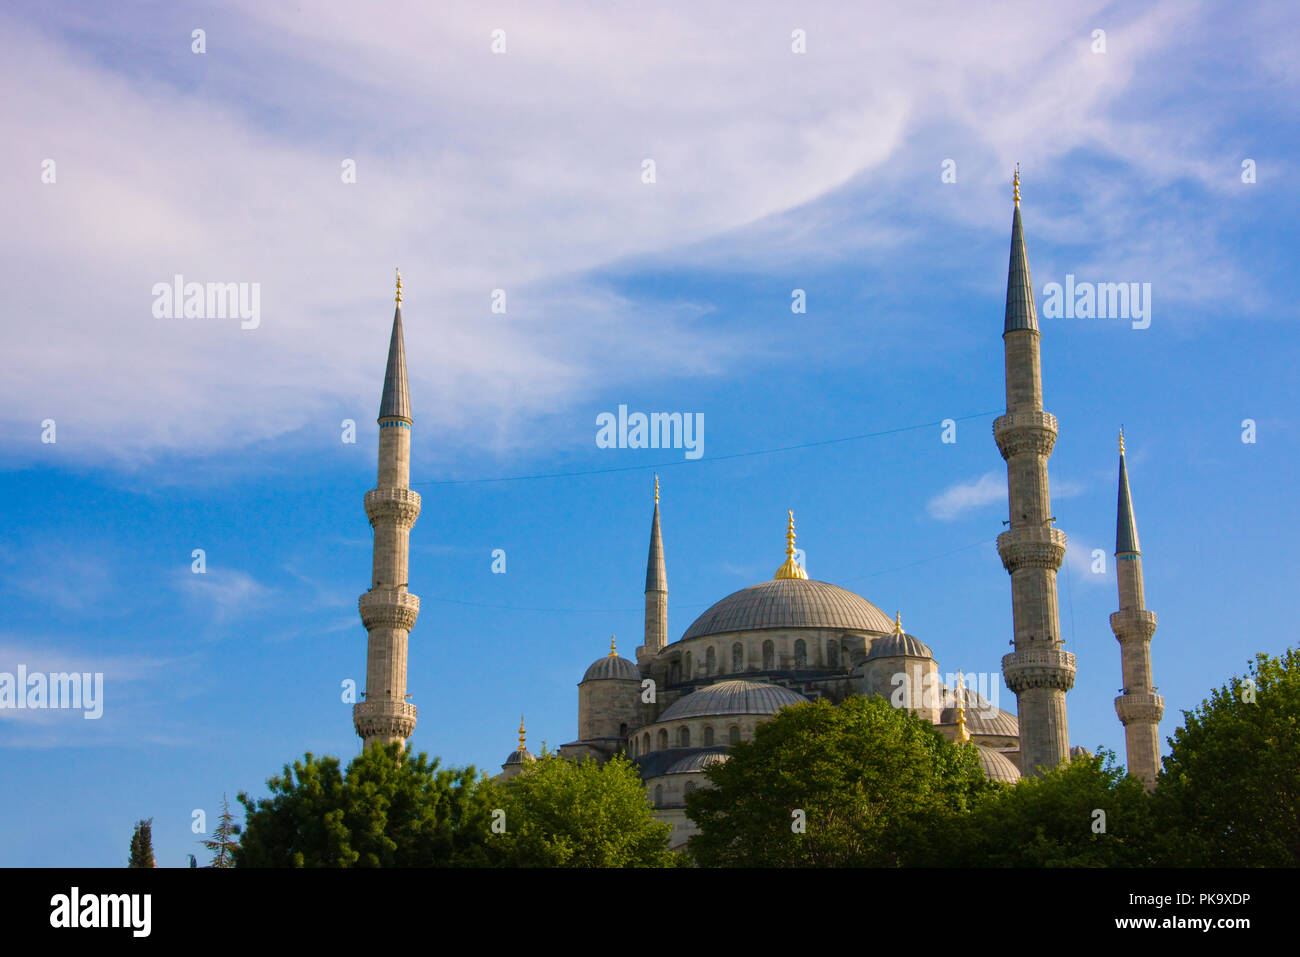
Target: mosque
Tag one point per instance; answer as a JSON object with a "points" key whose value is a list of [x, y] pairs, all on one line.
{"points": [[681, 705]]}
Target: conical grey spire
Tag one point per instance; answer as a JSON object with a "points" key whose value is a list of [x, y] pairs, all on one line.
{"points": [[396, 400], [1126, 530], [1021, 312], [656, 576]]}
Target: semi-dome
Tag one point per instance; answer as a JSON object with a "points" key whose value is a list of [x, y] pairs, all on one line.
{"points": [[997, 766], [612, 666], [790, 603], [519, 756], [697, 762], [737, 696]]}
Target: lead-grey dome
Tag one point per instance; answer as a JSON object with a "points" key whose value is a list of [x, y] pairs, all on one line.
{"points": [[996, 766], [790, 603], [737, 696], [899, 646], [612, 666], [519, 756], [983, 718], [697, 762]]}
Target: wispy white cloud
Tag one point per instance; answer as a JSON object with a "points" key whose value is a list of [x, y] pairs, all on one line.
{"points": [[962, 497]]}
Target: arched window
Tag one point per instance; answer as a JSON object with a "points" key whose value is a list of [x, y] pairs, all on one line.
{"points": [[659, 795], [733, 734], [737, 657], [708, 735], [663, 739], [800, 654], [769, 655], [645, 743], [683, 737], [833, 653], [622, 730], [674, 672], [710, 661], [690, 672]]}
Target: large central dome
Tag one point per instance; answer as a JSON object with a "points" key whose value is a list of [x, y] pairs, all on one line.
{"points": [[791, 603]]}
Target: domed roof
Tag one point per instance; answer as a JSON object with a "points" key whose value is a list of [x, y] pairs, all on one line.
{"points": [[983, 718], [790, 603], [996, 766], [737, 696], [1079, 751], [612, 666], [899, 646], [519, 756], [697, 762]]}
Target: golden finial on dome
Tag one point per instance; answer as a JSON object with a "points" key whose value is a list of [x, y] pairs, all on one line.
{"points": [[962, 734], [521, 733], [1015, 185], [791, 568], [898, 622], [656, 489], [613, 653], [1121, 440], [399, 287]]}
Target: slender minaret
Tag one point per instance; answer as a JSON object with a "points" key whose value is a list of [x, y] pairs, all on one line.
{"points": [[656, 588], [1040, 671], [1139, 707], [388, 610]]}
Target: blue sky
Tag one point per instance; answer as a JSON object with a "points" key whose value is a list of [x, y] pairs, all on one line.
{"points": [[521, 171]]}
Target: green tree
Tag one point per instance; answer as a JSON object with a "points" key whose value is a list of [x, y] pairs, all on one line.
{"points": [[1229, 795], [142, 845], [391, 808], [562, 813], [868, 782], [223, 843], [1084, 813]]}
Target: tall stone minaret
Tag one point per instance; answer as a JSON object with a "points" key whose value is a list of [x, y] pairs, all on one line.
{"points": [[1139, 707], [1040, 671], [388, 610], [656, 590]]}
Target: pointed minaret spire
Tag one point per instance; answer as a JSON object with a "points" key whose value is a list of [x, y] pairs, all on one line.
{"points": [[1139, 707], [1021, 312], [791, 568], [396, 398], [388, 609], [1040, 671], [656, 589]]}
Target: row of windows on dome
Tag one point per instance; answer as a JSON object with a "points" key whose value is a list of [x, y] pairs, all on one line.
{"points": [[769, 658], [641, 745]]}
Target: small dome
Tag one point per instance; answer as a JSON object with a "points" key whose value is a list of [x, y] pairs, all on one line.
{"points": [[898, 646], [519, 756], [613, 667], [737, 696], [997, 766], [697, 762], [1079, 751], [983, 718]]}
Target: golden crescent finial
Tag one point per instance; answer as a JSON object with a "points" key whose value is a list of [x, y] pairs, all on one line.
{"points": [[1015, 185], [962, 733], [791, 568], [521, 732], [399, 286], [613, 652], [1121, 440], [898, 622], [656, 489]]}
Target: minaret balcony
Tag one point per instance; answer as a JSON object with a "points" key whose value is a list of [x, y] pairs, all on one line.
{"points": [[388, 608], [1140, 706], [1133, 623], [383, 719], [1039, 668], [1032, 547], [1030, 431], [392, 506]]}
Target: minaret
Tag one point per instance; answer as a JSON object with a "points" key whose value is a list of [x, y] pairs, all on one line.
{"points": [[656, 589], [388, 610], [1040, 671], [1139, 707]]}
